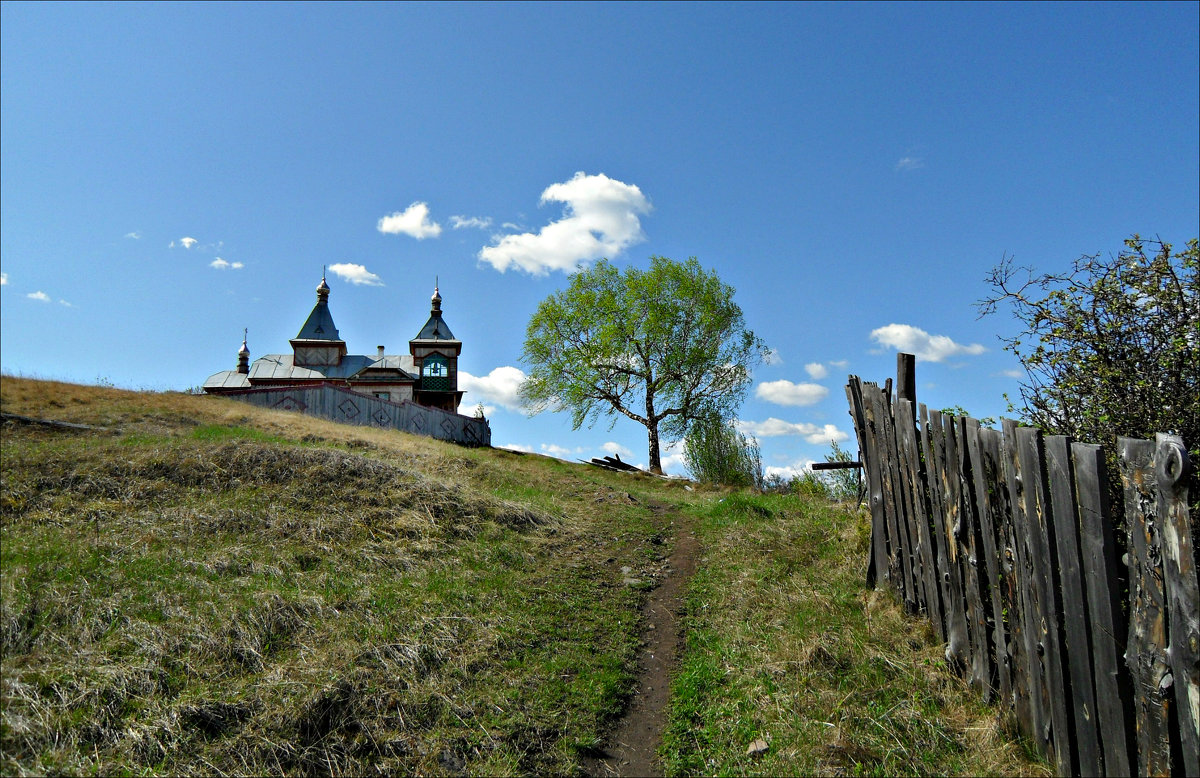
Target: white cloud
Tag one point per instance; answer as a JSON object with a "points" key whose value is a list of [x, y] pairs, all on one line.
{"points": [[134, 235], [501, 386], [816, 370], [40, 296], [840, 364], [776, 428], [64, 302], [617, 450], [517, 447], [784, 392], [1014, 373], [600, 219], [469, 222], [221, 264], [788, 472], [910, 163], [3, 279], [671, 458], [772, 357], [914, 340], [355, 274], [560, 452], [413, 221], [187, 243]]}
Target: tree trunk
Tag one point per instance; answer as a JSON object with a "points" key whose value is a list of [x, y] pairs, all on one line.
{"points": [[652, 429], [655, 459]]}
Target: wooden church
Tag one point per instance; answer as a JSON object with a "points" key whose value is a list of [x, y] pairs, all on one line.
{"points": [[404, 391]]}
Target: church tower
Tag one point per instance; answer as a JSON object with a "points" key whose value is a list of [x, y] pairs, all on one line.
{"points": [[435, 355], [318, 342]]}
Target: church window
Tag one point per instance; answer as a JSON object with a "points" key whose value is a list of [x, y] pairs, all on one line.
{"points": [[435, 372]]}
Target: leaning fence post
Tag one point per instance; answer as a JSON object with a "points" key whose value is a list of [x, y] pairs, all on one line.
{"points": [[1172, 469], [1146, 651]]}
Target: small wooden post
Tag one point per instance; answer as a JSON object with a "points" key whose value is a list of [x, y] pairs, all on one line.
{"points": [[906, 379]]}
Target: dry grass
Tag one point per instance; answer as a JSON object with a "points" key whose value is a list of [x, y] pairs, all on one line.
{"points": [[222, 589]]}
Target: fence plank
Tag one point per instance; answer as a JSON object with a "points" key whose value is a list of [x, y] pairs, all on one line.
{"points": [[1114, 692], [903, 501], [898, 546], [959, 649], [877, 566], [991, 496], [1078, 657], [937, 533], [873, 407], [967, 535], [1145, 652], [904, 505], [1055, 683], [1011, 538], [906, 433], [1172, 469], [1032, 705]]}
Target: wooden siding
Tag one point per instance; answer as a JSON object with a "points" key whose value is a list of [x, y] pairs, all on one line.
{"points": [[337, 403]]}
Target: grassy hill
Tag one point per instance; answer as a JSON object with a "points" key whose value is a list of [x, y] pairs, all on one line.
{"points": [[206, 587]]}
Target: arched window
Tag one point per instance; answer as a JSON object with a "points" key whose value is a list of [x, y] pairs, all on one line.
{"points": [[435, 372]]}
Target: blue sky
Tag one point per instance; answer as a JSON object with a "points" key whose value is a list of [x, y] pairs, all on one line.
{"points": [[172, 173]]}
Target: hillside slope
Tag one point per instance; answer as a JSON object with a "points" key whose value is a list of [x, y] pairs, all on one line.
{"points": [[206, 587]]}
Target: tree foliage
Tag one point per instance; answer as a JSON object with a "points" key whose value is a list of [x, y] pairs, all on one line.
{"points": [[716, 453], [1111, 347], [662, 346]]}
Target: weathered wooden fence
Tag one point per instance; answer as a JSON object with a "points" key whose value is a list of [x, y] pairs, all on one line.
{"points": [[1007, 541], [330, 401]]}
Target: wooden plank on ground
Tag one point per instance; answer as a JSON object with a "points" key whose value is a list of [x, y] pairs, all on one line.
{"points": [[1076, 632], [1100, 557], [1145, 652], [1172, 470]]}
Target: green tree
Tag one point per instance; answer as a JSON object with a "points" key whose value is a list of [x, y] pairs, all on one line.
{"points": [[716, 453], [1111, 347], [843, 484], [662, 346]]}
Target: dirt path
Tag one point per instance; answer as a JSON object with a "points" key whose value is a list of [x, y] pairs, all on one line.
{"points": [[630, 750]]}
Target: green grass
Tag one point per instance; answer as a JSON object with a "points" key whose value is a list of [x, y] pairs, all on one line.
{"points": [[785, 645]]}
